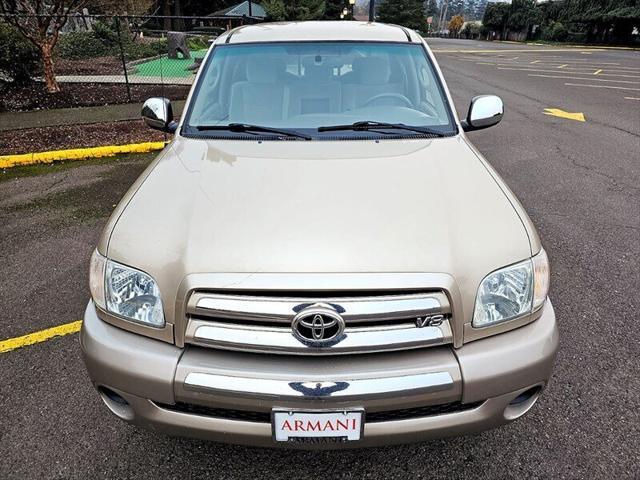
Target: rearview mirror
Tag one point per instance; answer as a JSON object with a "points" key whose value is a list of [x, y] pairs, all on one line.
{"points": [[485, 111], [158, 114]]}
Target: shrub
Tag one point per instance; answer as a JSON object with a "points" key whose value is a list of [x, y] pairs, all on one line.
{"points": [[197, 43], [471, 30], [103, 41], [107, 34], [555, 31], [77, 45], [136, 50], [19, 58]]}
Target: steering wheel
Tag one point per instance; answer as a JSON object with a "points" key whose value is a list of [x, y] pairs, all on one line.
{"points": [[394, 96]]}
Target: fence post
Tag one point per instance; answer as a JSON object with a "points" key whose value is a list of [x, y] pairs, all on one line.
{"points": [[124, 63]]}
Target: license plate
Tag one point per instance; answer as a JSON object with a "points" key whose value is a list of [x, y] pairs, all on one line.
{"points": [[291, 426]]}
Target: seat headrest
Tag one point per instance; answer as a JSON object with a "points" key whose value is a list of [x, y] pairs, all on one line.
{"points": [[319, 72], [264, 70], [372, 70]]}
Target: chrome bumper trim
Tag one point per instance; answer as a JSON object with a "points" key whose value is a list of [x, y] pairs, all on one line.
{"points": [[352, 309], [281, 340], [360, 388]]}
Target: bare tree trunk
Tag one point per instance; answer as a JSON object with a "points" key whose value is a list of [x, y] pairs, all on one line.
{"points": [[166, 11], [46, 51], [177, 11]]}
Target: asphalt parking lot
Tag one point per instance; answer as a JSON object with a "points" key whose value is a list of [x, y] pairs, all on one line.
{"points": [[579, 181]]}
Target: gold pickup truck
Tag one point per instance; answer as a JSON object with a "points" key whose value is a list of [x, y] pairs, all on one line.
{"points": [[319, 258]]}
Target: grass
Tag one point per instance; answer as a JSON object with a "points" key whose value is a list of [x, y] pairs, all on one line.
{"points": [[168, 67], [44, 169], [85, 202]]}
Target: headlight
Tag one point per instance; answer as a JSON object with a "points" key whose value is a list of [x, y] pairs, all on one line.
{"points": [[129, 293], [540, 278], [512, 292], [125, 291], [96, 278]]}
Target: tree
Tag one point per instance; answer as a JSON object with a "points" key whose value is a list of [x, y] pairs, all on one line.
{"points": [[333, 9], [456, 24], [471, 30], [408, 13], [496, 17], [469, 11], [431, 8], [481, 6], [275, 10], [522, 14], [456, 7], [40, 22], [120, 7], [605, 20], [302, 10]]}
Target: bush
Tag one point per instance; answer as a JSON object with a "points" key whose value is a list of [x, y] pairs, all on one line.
{"points": [[107, 34], [103, 41], [197, 43], [555, 31], [136, 50], [78, 45], [471, 30], [19, 58]]}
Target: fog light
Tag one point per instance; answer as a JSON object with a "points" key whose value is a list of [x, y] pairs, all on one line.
{"points": [[522, 403], [526, 395], [116, 403]]}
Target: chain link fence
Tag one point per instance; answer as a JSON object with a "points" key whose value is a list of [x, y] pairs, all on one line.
{"points": [[101, 60]]}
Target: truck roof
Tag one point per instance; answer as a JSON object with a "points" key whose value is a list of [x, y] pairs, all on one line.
{"points": [[319, 31]]}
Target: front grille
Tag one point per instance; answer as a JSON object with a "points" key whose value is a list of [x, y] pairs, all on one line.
{"points": [[373, 417], [418, 412], [371, 323], [227, 413]]}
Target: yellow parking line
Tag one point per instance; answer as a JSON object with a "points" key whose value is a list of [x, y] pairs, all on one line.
{"points": [[597, 72], [556, 112], [528, 50], [601, 86], [580, 78], [40, 336], [568, 71], [632, 98]]}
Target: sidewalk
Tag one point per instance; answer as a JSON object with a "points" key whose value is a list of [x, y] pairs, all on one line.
{"points": [[75, 116], [133, 79]]}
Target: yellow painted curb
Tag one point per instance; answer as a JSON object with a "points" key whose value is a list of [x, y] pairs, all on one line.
{"points": [[40, 336], [7, 161]]}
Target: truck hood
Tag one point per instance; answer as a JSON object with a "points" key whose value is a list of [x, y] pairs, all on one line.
{"points": [[348, 206]]}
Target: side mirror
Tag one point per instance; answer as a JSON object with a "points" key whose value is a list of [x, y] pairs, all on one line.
{"points": [[485, 111], [158, 114]]}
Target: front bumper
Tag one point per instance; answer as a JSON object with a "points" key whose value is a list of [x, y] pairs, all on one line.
{"points": [[483, 378]]}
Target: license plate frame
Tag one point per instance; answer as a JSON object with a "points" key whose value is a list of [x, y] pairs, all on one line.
{"points": [[292, 414]]}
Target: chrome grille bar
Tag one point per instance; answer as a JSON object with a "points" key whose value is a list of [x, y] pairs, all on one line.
{"points": [[280, 340], [263, 324], [352, 309]]}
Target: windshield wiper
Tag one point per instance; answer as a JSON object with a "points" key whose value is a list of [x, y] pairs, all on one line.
{"points": [[244, 127], [370, 125]]}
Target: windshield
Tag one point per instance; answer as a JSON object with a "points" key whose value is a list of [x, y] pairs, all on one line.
{"points": [[309, 85]]}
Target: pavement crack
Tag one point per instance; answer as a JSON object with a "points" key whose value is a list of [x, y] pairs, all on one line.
{"points": [[591, 169], [541, 214]]}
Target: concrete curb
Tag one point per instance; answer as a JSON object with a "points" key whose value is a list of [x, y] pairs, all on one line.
{"points": [[565, 45], [7, 161]]}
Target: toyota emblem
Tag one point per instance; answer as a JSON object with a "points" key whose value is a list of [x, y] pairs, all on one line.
{"points": [[318, 325]]}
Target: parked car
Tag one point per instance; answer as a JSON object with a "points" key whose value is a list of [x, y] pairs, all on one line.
{"points": [[320, 258]]}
